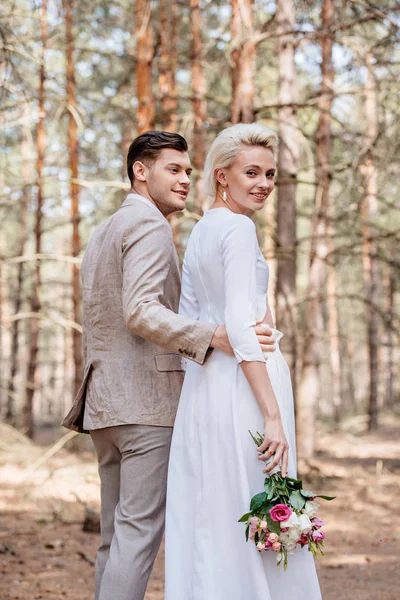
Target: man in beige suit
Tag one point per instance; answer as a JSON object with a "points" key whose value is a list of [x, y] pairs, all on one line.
{"points": [[134, 342]]}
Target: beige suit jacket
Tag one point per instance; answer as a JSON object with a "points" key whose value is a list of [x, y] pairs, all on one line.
{"points": [[133, 338]]}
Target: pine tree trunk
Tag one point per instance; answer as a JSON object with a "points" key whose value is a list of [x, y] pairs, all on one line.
{"points": [[144, 55], [309, 386], [199, 103], [168, 64], [27, 409], [389, 364], [243, 61], [333, 332], [369, 211], [22, 239], [73, 150], [286, 312]]}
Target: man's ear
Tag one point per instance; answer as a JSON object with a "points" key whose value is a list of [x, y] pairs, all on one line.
{"points": [[140, 171], [220, 176]]}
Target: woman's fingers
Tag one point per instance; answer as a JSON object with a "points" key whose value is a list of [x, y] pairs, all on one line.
{"points": [[285, 461], [269, 451], [264, 445]]}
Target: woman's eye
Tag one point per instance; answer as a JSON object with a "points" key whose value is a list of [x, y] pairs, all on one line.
{"points": [[251, 173]]}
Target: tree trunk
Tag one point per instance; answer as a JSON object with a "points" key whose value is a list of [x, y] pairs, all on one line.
{"points": [[27, 409], [389, 363], [144, 55], [309, 387], [369, 211], [22, 239], [74, 189], [168, 64], [199, 103], [286, 313], [243, 61], [333, 332]]}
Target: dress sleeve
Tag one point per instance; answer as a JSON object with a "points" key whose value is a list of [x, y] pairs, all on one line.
{"points": [[239, 247], [188, 304]]}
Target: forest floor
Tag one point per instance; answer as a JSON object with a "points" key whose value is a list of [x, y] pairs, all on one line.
{"points": [[45, 554]]}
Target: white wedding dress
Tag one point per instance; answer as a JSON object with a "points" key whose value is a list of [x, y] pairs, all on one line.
{"points": [[213, 469]]}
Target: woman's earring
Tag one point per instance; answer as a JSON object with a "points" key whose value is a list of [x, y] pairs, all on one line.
{"points": [[224, 196]]}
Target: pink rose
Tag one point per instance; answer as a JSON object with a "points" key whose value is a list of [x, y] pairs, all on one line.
{"points": [[260, 546], [254, 521], [318, 535], [276, 546], [280, 512], [283, 529], [268, 545], [318, 523], [273, 538]]}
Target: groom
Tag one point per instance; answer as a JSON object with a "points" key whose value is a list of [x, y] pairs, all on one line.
{"points": [[133, 343]]}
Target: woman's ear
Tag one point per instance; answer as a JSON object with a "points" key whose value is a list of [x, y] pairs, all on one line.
{"points": [[220, 176], [139, 171]]}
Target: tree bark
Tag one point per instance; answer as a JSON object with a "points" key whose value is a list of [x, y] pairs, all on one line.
{"points": [[10, 415], [309, 386], [389, 283], [333, 332], [243, 61], [199, 102], [168, 65], [73, 149], [286, 312], [369, 211], [144, 55], [27, 409]]}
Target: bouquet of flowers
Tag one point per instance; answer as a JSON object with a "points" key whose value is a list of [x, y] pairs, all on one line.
{"points": [[284, 516]]}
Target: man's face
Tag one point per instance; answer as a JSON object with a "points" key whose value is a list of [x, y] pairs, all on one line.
{"points": [[167, 180]]}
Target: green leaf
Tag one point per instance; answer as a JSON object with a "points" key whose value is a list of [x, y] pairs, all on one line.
{"points": [[307, 494], [297, 500], [273, 525], [247, 533], [326, 497], [295, 484], [257, 501], [245, 517]]}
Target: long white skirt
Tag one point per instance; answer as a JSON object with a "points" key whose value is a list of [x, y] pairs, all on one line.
{"points": [[213, 473]]}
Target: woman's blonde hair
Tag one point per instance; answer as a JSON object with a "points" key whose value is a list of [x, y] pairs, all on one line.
{"points": [[227, 144]]}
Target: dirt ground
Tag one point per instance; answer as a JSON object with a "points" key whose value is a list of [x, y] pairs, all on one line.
{"points": [[43, 501]]}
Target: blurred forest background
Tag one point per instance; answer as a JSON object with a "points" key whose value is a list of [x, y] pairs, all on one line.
{"points": [[79, 80]]}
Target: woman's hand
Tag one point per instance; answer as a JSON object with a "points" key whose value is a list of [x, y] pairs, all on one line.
{"points": [[274, 445]]}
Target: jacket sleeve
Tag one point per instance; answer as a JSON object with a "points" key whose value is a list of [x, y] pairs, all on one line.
{"points": [[239, 247], [147, 252]]}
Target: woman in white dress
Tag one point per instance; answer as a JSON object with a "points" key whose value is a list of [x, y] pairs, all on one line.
{"points": [[214, 467]]}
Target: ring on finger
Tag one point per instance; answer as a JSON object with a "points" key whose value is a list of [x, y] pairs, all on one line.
{"points": [[270, 452]]}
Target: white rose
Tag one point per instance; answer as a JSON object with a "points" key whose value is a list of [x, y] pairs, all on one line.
{"points": [[311, 508], [291, 547], [305, 524], [293, 521]]}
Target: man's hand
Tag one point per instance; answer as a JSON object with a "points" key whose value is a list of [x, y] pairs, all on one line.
{"points": [[220, 340], [265, 339]]}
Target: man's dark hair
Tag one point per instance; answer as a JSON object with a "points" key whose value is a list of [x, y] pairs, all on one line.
{"points": [[147, 147]]}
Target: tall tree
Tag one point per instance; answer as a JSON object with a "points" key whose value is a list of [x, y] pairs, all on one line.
{"points": [[27, 410], [309, 386], [369, 211], [199, 101], [167, 64], [333, 325], [73, 149], [243, 61], [389, 284], [286, 313], [144, 55], [22, 240]]}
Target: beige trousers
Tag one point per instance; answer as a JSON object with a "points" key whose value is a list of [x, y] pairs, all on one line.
{"points": [[133, 463]]}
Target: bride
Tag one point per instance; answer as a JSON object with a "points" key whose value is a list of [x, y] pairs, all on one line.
{"points": [[214, 467]]}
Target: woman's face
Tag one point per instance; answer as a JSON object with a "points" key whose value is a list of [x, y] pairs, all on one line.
{"points": [[249, 180]]}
